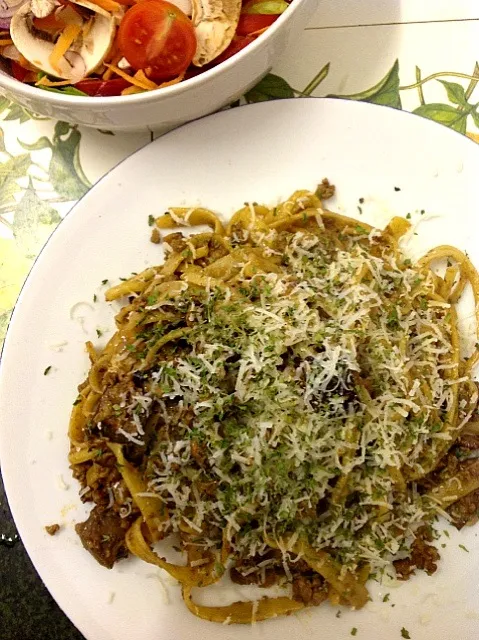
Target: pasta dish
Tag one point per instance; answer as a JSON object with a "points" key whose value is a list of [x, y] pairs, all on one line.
{"points": [[288, 399]]}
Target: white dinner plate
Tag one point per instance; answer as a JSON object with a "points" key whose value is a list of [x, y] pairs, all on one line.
{"points": [[399, 164]]}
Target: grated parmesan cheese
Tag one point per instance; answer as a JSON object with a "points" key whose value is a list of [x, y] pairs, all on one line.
{"points": [[335, 367]]}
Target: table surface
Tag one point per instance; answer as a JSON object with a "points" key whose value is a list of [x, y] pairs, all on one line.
{"points": [[416, 56]]}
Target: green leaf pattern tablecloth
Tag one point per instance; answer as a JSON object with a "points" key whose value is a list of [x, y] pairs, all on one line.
{"points": [[46, 166], [420, 56]]}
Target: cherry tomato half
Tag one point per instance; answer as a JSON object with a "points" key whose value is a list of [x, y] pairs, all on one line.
{"points": [[156, 36], [250, 23], [102, 88]]}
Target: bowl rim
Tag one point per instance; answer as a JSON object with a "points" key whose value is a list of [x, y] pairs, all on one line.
{"points": [[58, 99]]}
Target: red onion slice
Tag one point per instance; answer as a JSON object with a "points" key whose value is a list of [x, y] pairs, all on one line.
{"points": [[5, 23], [12, 53], [9, 7]]}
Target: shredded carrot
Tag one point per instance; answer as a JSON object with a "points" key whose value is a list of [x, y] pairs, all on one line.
{"points": [[134, 81], [109, 5], [6, 42], [131, 90], [109, 72], [64, 42], [255, 34], [45, 82], [170, 83], [140, 75]]}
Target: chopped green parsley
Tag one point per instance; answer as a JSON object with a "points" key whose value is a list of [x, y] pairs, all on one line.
{"points": [[270, 376], [290, 393]]}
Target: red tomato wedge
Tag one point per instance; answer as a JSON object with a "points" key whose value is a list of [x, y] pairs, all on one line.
{"points": [[157, 37], [102, 88], [18, 72], [250, 23], [235, 47]]}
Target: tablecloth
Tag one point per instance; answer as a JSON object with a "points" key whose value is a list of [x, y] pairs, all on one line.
{"points": [[416, 56]]}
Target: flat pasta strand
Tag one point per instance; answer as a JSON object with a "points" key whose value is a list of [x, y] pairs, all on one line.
{"points": [[243, 261], [243, 612]]}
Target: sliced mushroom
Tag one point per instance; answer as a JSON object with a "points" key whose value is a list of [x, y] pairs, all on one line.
{"points": [[215, 23], [84, 55], [43, 8]]}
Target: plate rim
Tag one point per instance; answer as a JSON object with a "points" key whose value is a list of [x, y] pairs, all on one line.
{"points": [[256, 105], [7, 478]]}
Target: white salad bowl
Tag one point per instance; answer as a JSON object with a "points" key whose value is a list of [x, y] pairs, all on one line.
{"points": [[166, 108]]}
